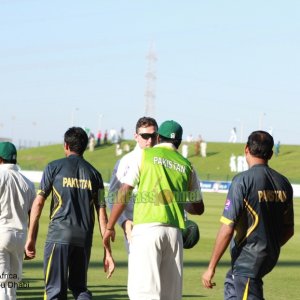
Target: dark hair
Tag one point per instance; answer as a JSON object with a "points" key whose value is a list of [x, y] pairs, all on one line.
{"points": [[77, 140], [175, 142], [260, 144], [12, 161], [145, 122]]}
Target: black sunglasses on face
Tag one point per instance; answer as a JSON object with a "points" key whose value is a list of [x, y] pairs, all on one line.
{"points": [[147, 136]]}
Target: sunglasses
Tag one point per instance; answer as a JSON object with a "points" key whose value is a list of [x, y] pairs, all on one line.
{"points": [[147, 136]]}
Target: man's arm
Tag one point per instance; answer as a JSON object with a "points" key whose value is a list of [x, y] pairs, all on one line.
{"points": [[120, 170], [108, 261], [122, 199], [102, 219], [35, 214], [288, 227], [195, 206], [114, 185], [222, 241], [127, 226], [288, 232], [129, 180], [118, 207]]}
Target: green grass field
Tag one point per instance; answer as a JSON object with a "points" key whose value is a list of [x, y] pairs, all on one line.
{"points": [[281, 284]]}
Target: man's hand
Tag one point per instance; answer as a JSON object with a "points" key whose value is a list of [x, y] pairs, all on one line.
{"points": [[108, 263], [207, 277], [29, 250]]}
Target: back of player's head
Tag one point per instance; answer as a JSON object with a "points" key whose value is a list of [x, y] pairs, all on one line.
{"points": [[8, 152], [171, 132], [77, 139], [145, 122], [260, 144]]}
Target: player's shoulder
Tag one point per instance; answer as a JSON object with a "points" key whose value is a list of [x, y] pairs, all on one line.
{"points": [[124, 163], [28, 182], [88, 167], [280, 178], [128, 157], [57, 162], [242, 177]]}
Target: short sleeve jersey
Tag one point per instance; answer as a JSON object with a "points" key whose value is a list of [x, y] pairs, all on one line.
{"points": [[77, 189], [259, 204], [16, 196]]}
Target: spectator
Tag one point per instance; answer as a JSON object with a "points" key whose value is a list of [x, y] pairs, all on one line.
{"points": [[197, 145], [92, 142], [232, 163], [185, 150], [99, 136], [203, 146], [105, 137], [233, 136], [277, 148]]}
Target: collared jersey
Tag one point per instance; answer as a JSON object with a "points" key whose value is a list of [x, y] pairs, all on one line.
{"points": [[76, 188], [259, 204], [16, 197], [164, 182]]}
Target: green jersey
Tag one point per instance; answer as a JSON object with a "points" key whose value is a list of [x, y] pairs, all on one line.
{"points": [[164, 186]]}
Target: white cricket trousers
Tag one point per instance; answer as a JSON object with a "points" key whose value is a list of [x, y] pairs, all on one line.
{"points": [[155, 263], [12, 244]]}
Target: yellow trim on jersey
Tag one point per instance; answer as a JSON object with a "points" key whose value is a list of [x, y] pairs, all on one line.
{"points": [[245, 296], [48, 270], [41, 193], [226, 221], [254, 216], [59, 203]]}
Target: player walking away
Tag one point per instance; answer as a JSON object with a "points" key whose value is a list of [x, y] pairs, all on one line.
{"points": [[165, 179], [16, 196], [145, 137], [76, 188], [259, 207]]}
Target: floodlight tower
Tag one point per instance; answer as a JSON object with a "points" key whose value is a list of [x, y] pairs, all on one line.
{"points": [[150, 83]]}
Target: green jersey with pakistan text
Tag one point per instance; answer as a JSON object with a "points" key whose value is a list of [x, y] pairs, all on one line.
{"points": [[163, 187]]}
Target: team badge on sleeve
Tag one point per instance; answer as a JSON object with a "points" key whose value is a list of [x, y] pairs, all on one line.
{"points": [[227, 204]]}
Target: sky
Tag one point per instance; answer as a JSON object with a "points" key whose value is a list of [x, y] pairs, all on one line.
{"points": [[219, 65]]}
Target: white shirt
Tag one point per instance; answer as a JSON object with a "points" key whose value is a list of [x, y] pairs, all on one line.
{"points": [[16, 197], [120, 170]]}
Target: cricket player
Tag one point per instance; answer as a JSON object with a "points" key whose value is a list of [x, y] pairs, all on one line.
{"points": [[145, 136], [165, 181], [259, 207], [76, 189], [16, 197]]}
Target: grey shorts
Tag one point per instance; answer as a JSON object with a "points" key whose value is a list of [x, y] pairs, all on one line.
{"points": [[241, 287]]}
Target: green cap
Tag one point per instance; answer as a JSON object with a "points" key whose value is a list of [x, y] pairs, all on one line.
{"points": [[171, 130], [8, 151]]}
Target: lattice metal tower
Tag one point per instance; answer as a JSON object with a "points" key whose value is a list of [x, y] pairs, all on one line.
{"points": [[150, 83]]}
